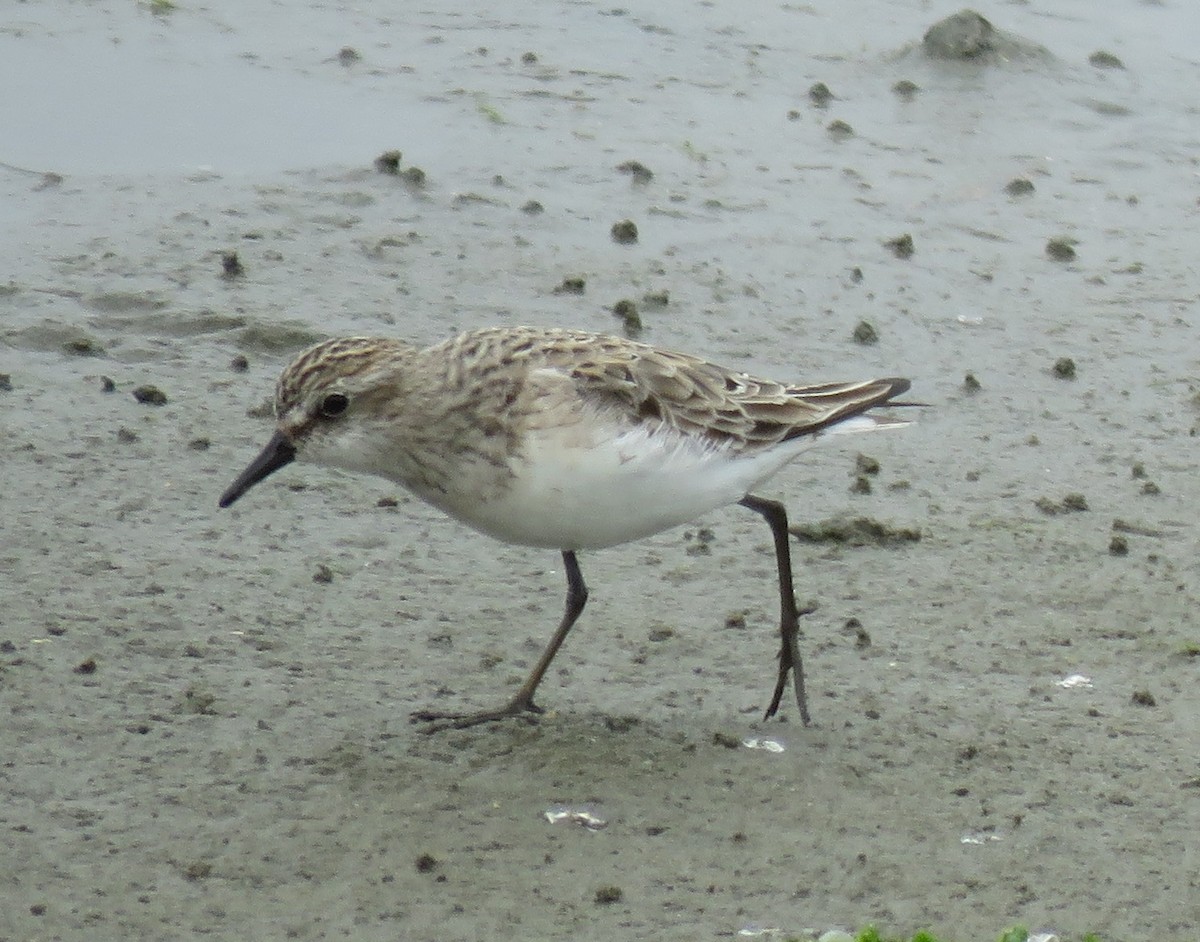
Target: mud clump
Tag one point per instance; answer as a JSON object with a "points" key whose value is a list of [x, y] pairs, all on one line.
{"points": [[901, 246], [636, 169], [631, 320], [862, 638], [865, 464], [906, 90], [700, 541], [1136, 529], [571, 286], [1019, 186], [197, 870], [840, 130], [625, 232], [1061, 250], [865, 333], [962, 35], [1143, 698], [83, 347], [389, 162], [231, 265], [198, 702], [968, 37], [1075, 503], [150, 396], [1064, 368], [854, 531], [1105, 60], [1070, 504], [820, 95]]}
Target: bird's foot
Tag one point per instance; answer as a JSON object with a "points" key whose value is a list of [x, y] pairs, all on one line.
{"points": [[435, 721], [790, 663], [785, 667]]}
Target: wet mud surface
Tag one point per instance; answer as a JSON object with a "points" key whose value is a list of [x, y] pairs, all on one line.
{"points": [[205, 713]]}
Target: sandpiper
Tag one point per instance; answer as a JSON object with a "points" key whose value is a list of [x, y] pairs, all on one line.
{"points": [[562, 439]]}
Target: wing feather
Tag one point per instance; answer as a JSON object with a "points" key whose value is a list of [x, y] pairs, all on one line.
{"points": [[699, 397]]}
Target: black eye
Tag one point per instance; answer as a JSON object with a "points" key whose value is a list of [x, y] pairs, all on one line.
{"points": [[334, 405]]}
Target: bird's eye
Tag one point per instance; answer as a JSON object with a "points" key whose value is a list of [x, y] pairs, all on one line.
{"points": [[334, 405]]}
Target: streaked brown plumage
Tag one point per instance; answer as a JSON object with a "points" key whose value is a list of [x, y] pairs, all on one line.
{"points": [[562, 439]]}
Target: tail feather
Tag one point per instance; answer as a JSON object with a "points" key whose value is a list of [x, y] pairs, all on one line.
{"points": [[866, 423], [843, 407]]}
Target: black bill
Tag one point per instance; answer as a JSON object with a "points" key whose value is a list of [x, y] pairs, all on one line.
{"points": [[278, 452]]}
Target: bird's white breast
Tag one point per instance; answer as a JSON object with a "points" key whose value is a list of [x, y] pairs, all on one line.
{"points": [[615, 486]]}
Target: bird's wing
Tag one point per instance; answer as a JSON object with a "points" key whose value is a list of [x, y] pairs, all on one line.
{"points": [[700, 398]]}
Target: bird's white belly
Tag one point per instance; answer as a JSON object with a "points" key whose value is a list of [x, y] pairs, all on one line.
{"points": [[615, 489]]}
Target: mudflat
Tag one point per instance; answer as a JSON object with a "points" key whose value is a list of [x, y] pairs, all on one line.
{"points": [[206, 713]]}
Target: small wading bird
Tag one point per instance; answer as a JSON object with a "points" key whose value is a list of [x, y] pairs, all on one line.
{"points": [[561, 439]]}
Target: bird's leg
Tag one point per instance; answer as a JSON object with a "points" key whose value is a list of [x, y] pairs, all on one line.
{"points": [[522, 701], [789, 617]]}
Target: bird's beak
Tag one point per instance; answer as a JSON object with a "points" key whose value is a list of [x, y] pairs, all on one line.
{"points": [[278, 452]]}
